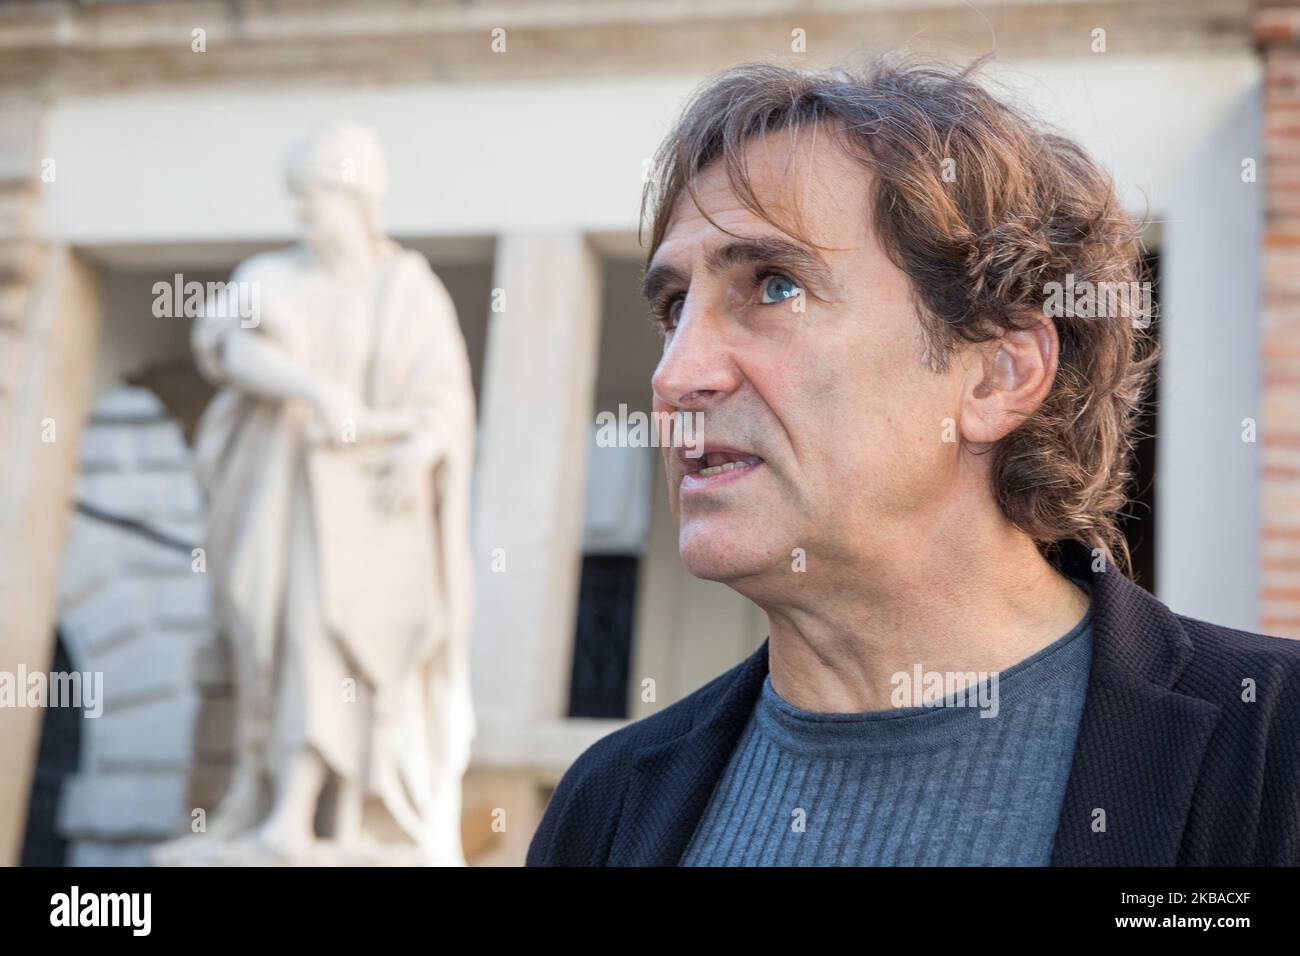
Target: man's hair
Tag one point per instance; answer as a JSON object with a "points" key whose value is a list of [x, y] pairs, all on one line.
{"points": [[982, 209]]}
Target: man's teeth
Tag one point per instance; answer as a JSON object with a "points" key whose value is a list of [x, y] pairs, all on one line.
{"points": [[719, 469]]}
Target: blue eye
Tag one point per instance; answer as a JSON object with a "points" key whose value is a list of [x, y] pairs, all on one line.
{"points": [[778, 288], [675, 311]]}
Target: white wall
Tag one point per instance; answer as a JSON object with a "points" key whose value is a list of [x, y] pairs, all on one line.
{"points": [[205, 165], [1207, 492]]}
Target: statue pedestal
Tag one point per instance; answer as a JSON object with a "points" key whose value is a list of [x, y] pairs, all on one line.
{"points": [[199, 850]]}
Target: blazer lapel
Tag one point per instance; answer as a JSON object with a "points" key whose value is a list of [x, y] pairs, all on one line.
{"points": [[1140, 744], [672, 782]]}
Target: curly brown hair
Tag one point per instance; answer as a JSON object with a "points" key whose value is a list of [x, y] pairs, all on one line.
{"points": [[983, 209]]}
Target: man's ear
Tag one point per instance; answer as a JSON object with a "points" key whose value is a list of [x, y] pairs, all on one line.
{"points": [[1012, 377]]}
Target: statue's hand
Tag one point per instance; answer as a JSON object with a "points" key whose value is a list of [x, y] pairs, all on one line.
{"points": [[386, 425], [397, 484], [338, 414]]}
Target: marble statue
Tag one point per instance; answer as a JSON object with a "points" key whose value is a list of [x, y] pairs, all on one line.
{"points": [[336, 459]]}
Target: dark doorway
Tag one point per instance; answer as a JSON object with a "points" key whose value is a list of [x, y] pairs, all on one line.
{"points": [[1138, 520], [56, 761], [602, 648]]}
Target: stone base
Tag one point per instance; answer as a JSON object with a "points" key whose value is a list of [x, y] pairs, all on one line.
{"points": [[200, 850]]}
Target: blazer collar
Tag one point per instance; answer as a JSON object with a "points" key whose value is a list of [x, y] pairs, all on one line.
{"points": [[1135, 764], [672, 782], [1140, 743]]}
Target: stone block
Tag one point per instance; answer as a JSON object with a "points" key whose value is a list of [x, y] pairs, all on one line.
{"points": [[145, 557], [90, 558], [154, 664], [183, 601], [162, 445], [110, 854], [123, 806], [128, 403], [184, 499], [108, 448], [155, 735], [109, 614], [135, 495]]}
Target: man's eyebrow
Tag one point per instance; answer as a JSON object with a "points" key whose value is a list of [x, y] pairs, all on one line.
{"points": [[773, 249], [658, 278]]}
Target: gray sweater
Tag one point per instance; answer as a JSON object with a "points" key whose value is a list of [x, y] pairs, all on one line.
{"points": [[931, 785]]}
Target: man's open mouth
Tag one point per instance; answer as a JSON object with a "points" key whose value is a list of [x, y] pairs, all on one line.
{"points": [[715, 463], [720, 462]]}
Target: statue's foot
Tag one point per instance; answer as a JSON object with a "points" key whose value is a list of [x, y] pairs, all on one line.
{"points": [[238, 811], [292, 844]]}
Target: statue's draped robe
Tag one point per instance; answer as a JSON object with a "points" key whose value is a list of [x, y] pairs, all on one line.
{"points": [[337, 644]]}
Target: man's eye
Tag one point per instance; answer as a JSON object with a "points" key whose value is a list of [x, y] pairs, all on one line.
{"points": [[778, 288], [669, 312]]}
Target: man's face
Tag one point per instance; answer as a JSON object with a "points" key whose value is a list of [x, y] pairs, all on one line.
{"points": [[807, 365]]}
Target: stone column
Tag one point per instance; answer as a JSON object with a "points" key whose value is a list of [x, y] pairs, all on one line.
{"points": [[49, 321], [46, 357], [1209, 378], [538, 393]]}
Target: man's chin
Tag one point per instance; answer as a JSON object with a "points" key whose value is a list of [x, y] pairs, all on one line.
{"points": [[720, 556]]}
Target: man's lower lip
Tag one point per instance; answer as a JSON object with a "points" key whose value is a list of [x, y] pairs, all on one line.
{"points": [[692, 482]]}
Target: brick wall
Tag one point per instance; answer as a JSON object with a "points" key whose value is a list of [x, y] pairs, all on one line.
{"points": [[1277, 32]]}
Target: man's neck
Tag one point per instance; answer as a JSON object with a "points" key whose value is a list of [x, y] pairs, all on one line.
{"points": [[980, 604]]}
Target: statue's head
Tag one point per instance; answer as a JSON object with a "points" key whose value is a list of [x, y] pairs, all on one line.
{"points": [[339, 178]]}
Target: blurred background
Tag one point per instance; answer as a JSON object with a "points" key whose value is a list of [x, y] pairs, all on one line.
{"points": [[140, 140]]}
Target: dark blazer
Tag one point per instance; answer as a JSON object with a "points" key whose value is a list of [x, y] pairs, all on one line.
{"points": [[1187, 772]]}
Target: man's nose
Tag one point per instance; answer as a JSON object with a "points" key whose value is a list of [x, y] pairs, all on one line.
{"points": [[697, 367]]}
